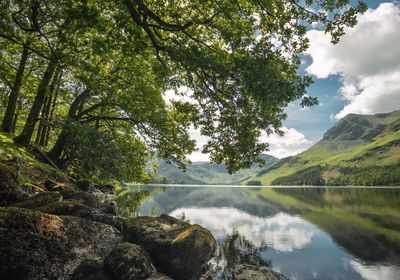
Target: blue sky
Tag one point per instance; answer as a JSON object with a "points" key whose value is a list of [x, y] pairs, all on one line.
{"points": [[345, 86]]}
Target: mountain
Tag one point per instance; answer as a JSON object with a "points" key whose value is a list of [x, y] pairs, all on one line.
{"points": [[357, 150], [200, 173]]}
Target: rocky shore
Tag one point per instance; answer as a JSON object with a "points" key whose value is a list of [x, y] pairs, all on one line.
{"points": [[71, 230]]}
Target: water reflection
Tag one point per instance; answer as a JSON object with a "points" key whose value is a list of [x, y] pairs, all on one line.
{"points": [[310, 233], [283, 232], [380, 272], [235, 250]]}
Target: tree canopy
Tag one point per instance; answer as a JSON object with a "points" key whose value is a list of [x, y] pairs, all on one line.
{"points": [[85, 80]]}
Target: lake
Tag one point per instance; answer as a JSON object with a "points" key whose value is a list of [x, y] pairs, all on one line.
{"points": [[304, 233]]}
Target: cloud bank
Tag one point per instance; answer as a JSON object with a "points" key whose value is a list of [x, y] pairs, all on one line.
{"points": [[367, 58], [292, 143]]}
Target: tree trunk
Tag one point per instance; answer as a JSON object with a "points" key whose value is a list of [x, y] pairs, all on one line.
{"points": [[44, 119], [25, 137], [9, 116], [53, 106], [56, 151]]}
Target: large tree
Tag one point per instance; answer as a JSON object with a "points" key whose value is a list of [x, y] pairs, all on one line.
{"points": [[94, 75], [240, 61]]}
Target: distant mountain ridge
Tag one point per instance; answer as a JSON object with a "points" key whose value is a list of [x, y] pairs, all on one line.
{"points": [[201, 173], [357, 150]]}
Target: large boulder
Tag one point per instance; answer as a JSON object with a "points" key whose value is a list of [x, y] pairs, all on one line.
{"points": [[250, 272], [128, 262], [177, 248], [34, 245]]}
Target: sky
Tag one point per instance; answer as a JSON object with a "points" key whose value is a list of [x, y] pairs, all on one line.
{"points": [[360, 74]]}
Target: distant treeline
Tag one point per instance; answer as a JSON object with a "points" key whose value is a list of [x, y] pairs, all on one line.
{"points": [[386, 175]]}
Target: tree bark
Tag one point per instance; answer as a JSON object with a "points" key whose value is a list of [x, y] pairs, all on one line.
{"points": [[55, 153], [44, 116], [9, 116], [26, 135]]}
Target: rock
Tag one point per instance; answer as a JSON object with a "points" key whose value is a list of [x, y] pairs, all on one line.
{"points": [[110, 208], [65, 207], [49, 184], [9, 176], [63, 188], [39, 200], [85, 198], [90, 270], [34, 245], [250, 272], [32, 189], [128, 262], [177, 248], [106, 188], [84, 184], [9, 186], [111, 220], [159, 276]]}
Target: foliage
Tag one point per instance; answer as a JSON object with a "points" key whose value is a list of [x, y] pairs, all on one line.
{"points": [[121, 157], [104, 67]]}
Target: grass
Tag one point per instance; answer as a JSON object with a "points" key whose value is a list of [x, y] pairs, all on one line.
{"points": [[340, 153], [31, 169]]}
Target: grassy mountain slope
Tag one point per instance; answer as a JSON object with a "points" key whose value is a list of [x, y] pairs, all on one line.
{"points": [[209, 173], [358, 150]]}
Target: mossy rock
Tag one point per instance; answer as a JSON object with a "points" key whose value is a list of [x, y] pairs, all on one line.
{"points": [[159, 276], [34, 245], [32, 189], [77, 209], [8, 176], [90, 270], [84, 184], [85, 198], [246, 272], [177, 248], [9, 185], [39, 200], [128, 262], [65, 207]]}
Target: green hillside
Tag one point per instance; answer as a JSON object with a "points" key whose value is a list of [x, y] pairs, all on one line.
{"points": [[358, 150], [209, 173]]}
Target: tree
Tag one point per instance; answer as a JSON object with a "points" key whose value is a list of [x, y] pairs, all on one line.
{"points": [[240, 60], [237, 59]]}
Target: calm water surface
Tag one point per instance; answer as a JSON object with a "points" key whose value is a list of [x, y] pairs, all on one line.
{"points": [[304, 233]]}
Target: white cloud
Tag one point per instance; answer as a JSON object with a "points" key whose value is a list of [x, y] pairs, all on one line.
{"points": [[292, 143], [367, 58], [283, 232], [200, 142]]}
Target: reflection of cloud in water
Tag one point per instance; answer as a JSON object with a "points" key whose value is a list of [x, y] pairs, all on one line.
{"points": [[376, 272], [283, 232]]}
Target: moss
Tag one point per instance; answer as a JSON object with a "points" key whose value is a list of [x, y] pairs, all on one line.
{"points": [[8, 177]]}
